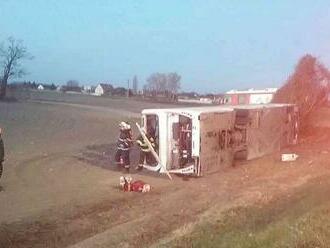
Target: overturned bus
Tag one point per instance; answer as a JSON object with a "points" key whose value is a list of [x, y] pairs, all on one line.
{"points": [[202, 140]]}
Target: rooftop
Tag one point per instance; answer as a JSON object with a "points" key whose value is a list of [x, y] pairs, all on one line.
{"points": [[253, 91]]}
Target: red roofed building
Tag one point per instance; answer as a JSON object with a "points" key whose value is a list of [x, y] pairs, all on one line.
{"points": [[250, 96]]}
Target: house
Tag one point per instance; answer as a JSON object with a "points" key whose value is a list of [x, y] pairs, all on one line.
{"points": [[40, 87], [250, 96], [103, 89]]}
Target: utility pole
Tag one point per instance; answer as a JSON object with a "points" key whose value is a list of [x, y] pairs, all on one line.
{"points": [[128, 88]]}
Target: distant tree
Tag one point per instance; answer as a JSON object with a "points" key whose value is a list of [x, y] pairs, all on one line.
{"points": [[152, 82], [173, 82], [72, 83], [11, 54], [157, 82], [161, 82], [120, 91], [145, 87], [135, 85]]}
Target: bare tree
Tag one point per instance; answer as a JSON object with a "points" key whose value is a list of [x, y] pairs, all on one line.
{"points": [[161, 82], [11, 54], [157, 82], [173, 82], [72, 83], [135, 84]]}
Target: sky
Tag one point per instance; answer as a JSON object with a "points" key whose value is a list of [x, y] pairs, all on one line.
{"points": [[215, 45]]}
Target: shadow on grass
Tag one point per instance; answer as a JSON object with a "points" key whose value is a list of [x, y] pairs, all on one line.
{"points": [[103, 156]]}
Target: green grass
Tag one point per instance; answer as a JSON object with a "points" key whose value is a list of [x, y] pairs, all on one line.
{"points": [[302, 220]]}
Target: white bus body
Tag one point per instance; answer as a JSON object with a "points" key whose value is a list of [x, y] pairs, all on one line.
{"points": [[203, 140]]}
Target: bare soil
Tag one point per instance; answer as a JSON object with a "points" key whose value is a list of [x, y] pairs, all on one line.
{"points": [[60, 185]]}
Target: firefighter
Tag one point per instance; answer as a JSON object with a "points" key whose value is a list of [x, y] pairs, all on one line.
{"points": [[2, 153], [124, 144], [145, 152], [185, 144]]}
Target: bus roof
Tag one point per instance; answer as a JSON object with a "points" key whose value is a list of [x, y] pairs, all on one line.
{"points": [[190, 110], [259, 106], [210, 109]]}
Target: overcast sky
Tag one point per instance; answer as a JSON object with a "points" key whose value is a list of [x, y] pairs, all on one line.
{"points": [[214, 45]]}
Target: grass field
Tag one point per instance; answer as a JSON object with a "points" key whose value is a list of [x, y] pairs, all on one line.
{"points": [[59, 187], [299, 220]]}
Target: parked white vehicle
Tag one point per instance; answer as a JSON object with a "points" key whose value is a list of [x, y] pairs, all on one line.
{"points": [[203, 140]]}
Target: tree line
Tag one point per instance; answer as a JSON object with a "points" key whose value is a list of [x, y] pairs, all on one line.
{"points": [[13, 53], [163, 82]]}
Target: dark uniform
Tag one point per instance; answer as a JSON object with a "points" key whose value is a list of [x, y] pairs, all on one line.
{"points": [[2, 154], [124, 144], [185, 144], [145, 153]]}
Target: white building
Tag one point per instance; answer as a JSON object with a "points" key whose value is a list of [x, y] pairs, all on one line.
{"points": [[103, 89], [250, 96], [40, 87]]}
